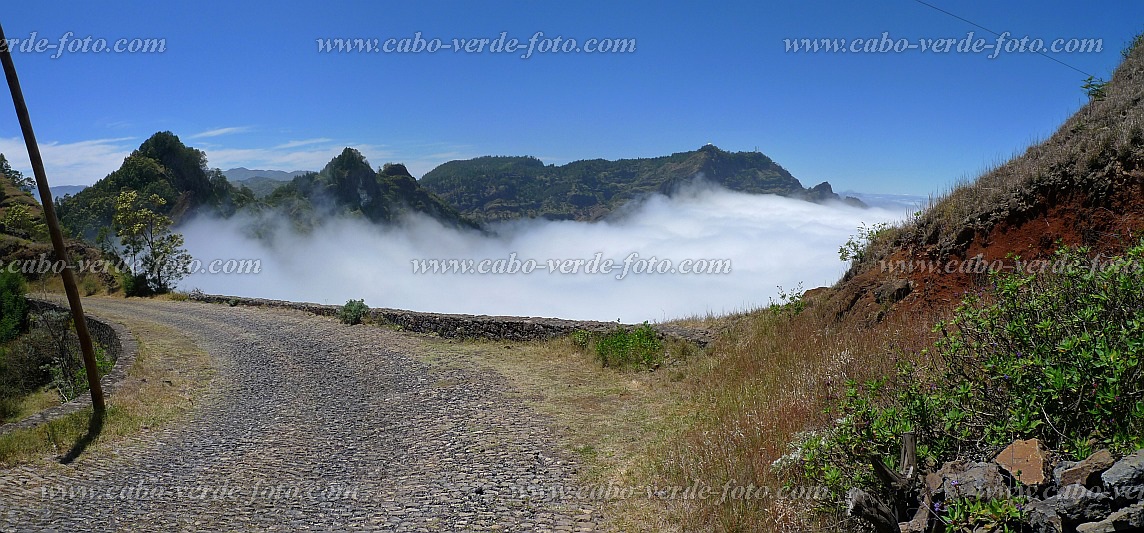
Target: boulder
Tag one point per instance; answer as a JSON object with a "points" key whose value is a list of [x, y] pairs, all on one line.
{"points": [[892, 291], [1088, 471], [1024, 460], [1073, 505], [1060, 469], [1125, 479], [962, 479], [1130, 518]]}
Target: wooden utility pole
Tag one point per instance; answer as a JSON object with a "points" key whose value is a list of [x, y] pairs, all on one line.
{"points": [[53, 228]]}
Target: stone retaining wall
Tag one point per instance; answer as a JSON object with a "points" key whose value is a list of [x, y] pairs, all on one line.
{"points": [[468, 326], [119, 344]]}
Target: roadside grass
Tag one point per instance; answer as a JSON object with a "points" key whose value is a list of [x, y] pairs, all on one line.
{"points": [[711, 420], [169, 373], [33, 403], [609, 418]]}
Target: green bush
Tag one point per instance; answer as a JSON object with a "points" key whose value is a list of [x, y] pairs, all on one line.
{"points": [[1057, 355], [640, 347], [135, 284], [13, 306], [353, 312]]}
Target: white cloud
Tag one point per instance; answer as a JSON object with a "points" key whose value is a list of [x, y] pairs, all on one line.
{"points": [[220, 131], [771, 242], [76, 163], [295, 144]]}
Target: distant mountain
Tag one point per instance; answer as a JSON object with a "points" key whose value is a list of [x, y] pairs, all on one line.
{"points": [[243, 174], [348, 186], [164, 166], [261, 186], [57, 192], [499, 188]]}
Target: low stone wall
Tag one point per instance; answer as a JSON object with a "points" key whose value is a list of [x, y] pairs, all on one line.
{"points": [[468, 326], [119, 344]]}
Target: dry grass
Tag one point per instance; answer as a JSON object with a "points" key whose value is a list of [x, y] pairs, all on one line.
{"points": [[169, 372], [1084, 154], [611, 419], [707, 421]]}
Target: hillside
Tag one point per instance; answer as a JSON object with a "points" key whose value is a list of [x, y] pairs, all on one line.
{"points": [[349, 186], [164, 166], [1083, 186], [23, 233], [499, 188]]}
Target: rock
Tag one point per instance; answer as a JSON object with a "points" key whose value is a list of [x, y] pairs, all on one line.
{"points": [[1088, 471], [892, 291], [1130, 518], [1126, 472], [1024, 460], [961, 479], [1125, 479], [1060, 469], [1073, 505]]}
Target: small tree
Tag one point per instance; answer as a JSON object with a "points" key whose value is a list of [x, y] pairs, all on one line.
{"points": [[18, 219], [157, 257], [15, 176], [13, 306]]}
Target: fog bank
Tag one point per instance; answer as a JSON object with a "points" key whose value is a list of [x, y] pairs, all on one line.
{"points": [[769, 241]]}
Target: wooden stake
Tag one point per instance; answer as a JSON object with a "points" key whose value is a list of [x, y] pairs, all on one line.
{"points": [[53, 228]]}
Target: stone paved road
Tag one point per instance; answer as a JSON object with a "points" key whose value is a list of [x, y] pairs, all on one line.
{"points": [[311, 425]]}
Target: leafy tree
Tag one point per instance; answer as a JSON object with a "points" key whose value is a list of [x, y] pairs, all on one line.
{"points": [[19, 219], [13, 306], [15, 176], [157, 257]]}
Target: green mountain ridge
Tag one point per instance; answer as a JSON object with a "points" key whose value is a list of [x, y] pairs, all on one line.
{"points": [[495, 188], [459, 194]]}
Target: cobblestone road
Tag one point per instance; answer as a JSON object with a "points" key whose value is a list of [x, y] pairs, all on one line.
{"points": [[311, 425]]}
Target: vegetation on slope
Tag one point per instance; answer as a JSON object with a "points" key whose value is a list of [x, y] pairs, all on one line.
{"points": [[498, 188], [161, 166], [348, 186]]}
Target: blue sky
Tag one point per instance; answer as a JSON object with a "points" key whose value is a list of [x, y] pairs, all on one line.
{"points": [[246, 83]]}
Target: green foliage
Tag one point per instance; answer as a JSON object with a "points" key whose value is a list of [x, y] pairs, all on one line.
{"points": [[494, 188], [856, 246], [581, 338], [789, 302], [353, 312], [156, 255], [972, 514], [621, 348], [162, 166], [15, 176], [348, 186], [1094, 88], [53, 342], [19, 220], [1058, 356], [13, 306]]}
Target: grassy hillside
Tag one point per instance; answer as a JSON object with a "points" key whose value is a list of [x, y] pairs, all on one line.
{"points": [[499, 188]]}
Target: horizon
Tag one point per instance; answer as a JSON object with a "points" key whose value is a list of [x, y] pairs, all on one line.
{"points": [[256, 92]]}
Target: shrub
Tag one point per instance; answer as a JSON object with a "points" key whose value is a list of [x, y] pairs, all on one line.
{"points": [[135, 284], [13, 306], [353, 312], [581, 338], [1057, 355], [640, 347], [90, 285]]}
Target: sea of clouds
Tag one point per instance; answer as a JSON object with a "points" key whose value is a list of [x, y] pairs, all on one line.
{"points": [[772, 243]]}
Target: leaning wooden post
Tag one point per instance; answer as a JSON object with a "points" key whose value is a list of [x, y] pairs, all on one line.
{"points": [[53, 227]]}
